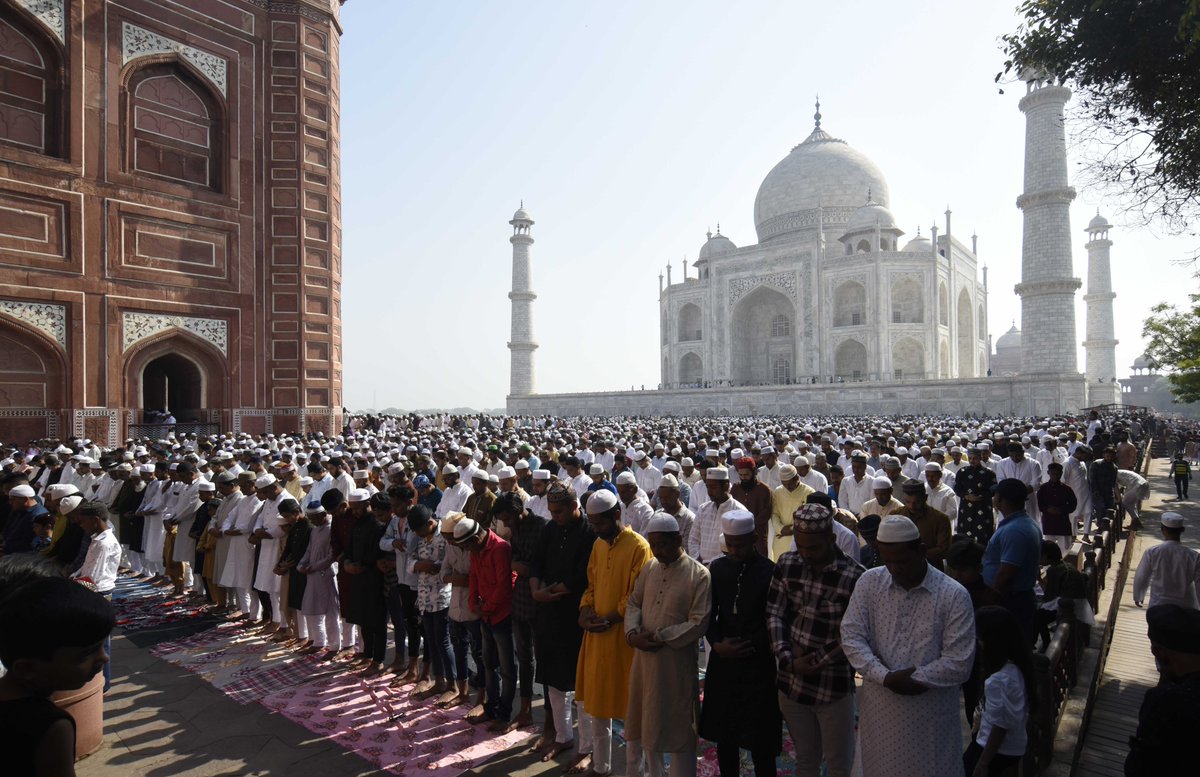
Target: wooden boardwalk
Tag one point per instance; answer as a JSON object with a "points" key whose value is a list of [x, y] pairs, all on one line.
{"points": [[1129, 670]]}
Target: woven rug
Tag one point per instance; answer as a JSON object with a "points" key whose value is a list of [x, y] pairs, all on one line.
{"points": [[382, 725]]}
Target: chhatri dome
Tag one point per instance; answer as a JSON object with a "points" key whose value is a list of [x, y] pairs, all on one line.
{"points": [[822, 171], [715, 245]]}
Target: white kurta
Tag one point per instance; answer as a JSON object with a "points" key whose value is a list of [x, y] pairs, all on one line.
{"points": [[269, 548], [183, 512], [239, 563], [224, 520], [1075, 475], [154, 534], [1028, 472], [704, 544], [888, 628]]}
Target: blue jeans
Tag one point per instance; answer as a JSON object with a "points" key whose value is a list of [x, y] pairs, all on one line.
{"points": [[500, 669], [437, 643], [466, 637], [406, 621]]}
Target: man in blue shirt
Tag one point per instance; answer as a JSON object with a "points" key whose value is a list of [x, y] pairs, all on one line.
{"points": [[24, 506], [1010, 561]]}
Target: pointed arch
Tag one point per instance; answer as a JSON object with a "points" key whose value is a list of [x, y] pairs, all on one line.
{"points": [[966, 335], [759, 335], [908, 303], [850, 361], [943, 360], [908, 359], [33, 383], [850, 304], [33, 100], [184, 351], [173, 124], [981, 324], [690, 327], [691, 369], [943, 305]]}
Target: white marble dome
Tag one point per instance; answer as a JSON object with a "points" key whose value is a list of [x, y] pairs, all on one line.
{"points": [[822, 170], [919, 243], [1010, 339], [715, 245], [1098, 223], [866, 217], [522, 215]]}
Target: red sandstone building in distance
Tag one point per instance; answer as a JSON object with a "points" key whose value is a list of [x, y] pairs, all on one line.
{"points": [[170, 216]]}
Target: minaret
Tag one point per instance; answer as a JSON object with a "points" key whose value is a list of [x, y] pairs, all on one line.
{"points": [[1047, 287], [1100, 346], [521, 345]]}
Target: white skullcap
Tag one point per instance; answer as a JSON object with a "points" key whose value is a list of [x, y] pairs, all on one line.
{"points": [[668, 481], [358, 495], [23, 490], [902, 451], [360, 474], [596, 469], [711, 453], [541, 474], [671, 466], [626, 479], [206, 487], [662, 523], [933, 466], [449, 469], [881, 483], [737, 522], [481, 474], [686, 461], [716, 473], [306, 481], [897, 528], [69, 503], [265, 481], [506, 472], [787, 471], [1172, 520], [146, 469], [601, 501], [637, 455], [59, 490], [521, 464]]}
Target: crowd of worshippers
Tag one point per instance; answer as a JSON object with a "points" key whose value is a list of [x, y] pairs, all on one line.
{"points": [[778, 558]]}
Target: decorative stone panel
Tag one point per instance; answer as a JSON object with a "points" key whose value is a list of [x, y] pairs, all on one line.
{"points": [[137, 42], [49, 319], [784, 281], [51, 13], [136, 327]]}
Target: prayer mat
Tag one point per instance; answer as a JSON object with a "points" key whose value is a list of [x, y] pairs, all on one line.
{"points": [[382, 725], [707, 766], [155, 635], [139, 606], [228, 658]]}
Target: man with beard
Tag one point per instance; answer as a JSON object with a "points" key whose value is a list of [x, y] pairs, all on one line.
{"points": [[740, 705], [756, 498], [558, 579]]}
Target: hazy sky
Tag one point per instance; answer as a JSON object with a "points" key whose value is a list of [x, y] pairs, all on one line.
{"points": [[629, 129]]}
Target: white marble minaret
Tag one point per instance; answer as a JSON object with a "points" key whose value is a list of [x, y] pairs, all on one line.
{"points": [[1100, 346], [1047, 288], [521, 344]]}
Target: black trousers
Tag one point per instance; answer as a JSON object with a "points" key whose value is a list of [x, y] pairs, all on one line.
{"points": [[523, 639], [374, 636], [1181, 486]]}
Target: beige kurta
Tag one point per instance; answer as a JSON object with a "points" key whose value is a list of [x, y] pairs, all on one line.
{"points": [[672, 601]]}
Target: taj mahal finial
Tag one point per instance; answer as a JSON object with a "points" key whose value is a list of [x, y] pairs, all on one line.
{"points": [[870, 196], [817, 115], [718, 229]]}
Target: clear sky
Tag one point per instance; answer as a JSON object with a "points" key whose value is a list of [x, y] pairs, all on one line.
{"points": [[629, 129]]}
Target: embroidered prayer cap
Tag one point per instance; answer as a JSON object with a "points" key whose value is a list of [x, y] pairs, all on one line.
{"points": [[737, 522], [913, 487], [626, 479], [662, 523], [897, 528], [716, 472], [787, 472], [421, 481], [933, 466], [314, 508], [881, 483], [360, 474], [465, 529], [559, 491], [521, 464], [449, 469], [601, 501], [671, 466], [506, 472], [812, 518], [206, 487]]}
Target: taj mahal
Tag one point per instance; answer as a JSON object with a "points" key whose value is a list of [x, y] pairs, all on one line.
{"points": [[836, 310]]}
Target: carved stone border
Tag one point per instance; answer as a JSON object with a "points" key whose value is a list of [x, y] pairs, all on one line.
{"points": [[52, 13], [136, 327], [51, 417], [138, 42], [97, 412], [47, 318]]}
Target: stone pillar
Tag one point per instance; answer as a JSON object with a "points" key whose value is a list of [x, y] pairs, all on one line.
{"points": [[1047, 287], [1101, 344], [521, 345]]}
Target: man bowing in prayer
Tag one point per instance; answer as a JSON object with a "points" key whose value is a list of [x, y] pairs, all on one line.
{"points": [[664, 619], [740, 706], [910, 632], [602, 675]]}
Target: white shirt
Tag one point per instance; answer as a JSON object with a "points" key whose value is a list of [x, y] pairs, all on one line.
{"points": [[943, 499], [1028, 472], [453, 499], [648, 478], [816, 481], [636, 515], [770, 476], [102, 561], [852, 494], [1171, 571], [704, 544], [1003, 705]]}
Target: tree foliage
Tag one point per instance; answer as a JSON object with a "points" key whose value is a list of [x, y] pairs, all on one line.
{"points": [[1135, 69], [1173, 338]]}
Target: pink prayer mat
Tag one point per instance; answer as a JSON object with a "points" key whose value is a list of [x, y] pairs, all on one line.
{"points": [[382, 725]]}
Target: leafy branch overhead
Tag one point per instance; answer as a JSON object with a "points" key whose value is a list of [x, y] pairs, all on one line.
{"points": [[1135, 68], [1173, 338]]}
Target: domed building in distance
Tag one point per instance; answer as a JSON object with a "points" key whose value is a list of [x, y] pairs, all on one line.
{"points": [[831, 292]]}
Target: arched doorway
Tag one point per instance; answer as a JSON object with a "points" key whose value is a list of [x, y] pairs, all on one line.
{"points": [[763, 331], [966, 336], [32, 378], [173, 384], [850, 361], [691, 370]]}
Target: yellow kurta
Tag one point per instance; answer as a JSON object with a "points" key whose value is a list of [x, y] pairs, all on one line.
{"points": [[672, 602], [602, 673], [783, 504]]}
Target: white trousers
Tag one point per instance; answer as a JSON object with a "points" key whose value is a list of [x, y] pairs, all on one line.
{"points": [[276, 607], [247, 601], [560, 707], [323, 629], [350, 636], [602, 748], [153, 567], [136, 562]]}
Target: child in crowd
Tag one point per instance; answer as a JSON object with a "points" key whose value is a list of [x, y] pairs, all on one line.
{"points": [[52, 633], [43, 532], [433, 601], [319, 605], [868, 554], [999, 737]]}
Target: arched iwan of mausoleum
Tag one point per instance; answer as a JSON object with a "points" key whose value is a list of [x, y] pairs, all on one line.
{"points": [[690, 326], [850, 304], [850, 361], [763, 331], [908, 360], [175, 366], [908, 303], [943, 305], [966, 336], [691, 370], [32, 383], [32, 108]]}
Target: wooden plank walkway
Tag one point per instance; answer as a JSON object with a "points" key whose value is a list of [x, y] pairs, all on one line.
{"points": [[1129, 670]]}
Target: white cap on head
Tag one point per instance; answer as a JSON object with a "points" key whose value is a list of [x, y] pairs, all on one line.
{"points": [[480, 474], [787, 471], [881, 483], [686, 461], [933, 466], [265, 481], [22, 491], [737, 522], [506, 472], [716, 473], [306, 481], [541, 474], [596, 469], [206, 487], [601, 501], [358, 495], [897, 528], [668, 481], [361, 474], [59, 490], [1172, 520], [663, 523], [69, 503], [626, 479], [637, 455], [671, 466], [449, 469]]}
